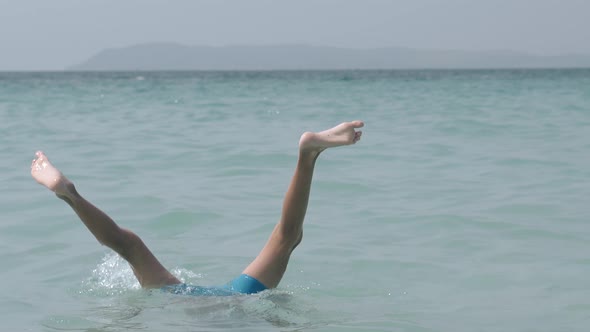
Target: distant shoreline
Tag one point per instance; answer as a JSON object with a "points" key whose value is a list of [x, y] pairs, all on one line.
{"points": [[177, 57]]}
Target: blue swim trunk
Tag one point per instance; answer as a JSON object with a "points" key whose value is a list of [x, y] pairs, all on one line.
{"points": [[243, 284]]}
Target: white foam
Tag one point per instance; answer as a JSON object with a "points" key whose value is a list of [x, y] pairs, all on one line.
{"points": [[113, 275]]}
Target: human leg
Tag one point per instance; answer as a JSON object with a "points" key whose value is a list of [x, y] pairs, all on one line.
{"points": [[270, 264], [127, 244]]}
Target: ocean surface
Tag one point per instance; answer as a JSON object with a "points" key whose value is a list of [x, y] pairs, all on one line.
{"points": [[465, 206]]}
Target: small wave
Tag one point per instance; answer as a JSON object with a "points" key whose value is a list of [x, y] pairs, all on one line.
{"points": [[246, 312]]}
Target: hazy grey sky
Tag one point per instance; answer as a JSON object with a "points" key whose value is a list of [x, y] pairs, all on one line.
{"points": [[53, 34]]}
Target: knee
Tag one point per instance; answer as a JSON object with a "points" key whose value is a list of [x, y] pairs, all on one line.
{"points": [[125, 242], [289, 238]]}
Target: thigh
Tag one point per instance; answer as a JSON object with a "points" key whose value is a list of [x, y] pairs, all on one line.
{"points": [[270, 264]]}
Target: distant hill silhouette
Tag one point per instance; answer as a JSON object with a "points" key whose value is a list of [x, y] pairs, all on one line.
{"points": [[169, 56]]}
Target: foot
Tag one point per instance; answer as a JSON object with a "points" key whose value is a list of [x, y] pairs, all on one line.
{"points": [[49, 176], [342, 134]]}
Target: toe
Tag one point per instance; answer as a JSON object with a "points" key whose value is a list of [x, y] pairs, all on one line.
{"points": [[357, 124]]}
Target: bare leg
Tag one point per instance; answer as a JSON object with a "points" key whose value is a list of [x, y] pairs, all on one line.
{"points": [[146, 267], [271, 263]]}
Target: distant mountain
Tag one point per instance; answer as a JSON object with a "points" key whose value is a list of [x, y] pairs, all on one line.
{"points": [[168, 56]]}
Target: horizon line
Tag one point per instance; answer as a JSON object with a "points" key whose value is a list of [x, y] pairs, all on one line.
{"points": [[48, 71]]}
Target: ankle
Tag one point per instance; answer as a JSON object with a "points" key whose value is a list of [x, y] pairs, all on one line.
{"points": [[308, 158], [69, 194]]}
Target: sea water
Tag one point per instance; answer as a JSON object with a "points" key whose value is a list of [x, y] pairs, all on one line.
{"points": [[465, 206]]}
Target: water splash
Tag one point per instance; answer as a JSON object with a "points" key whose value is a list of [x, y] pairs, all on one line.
{"points": [[112, 276], [186, 276]]}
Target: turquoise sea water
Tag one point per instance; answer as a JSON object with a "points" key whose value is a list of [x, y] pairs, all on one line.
{"points": [[465, 207]]}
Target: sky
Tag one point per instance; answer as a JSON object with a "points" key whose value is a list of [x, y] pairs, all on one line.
{"points": [[55, 34]]}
